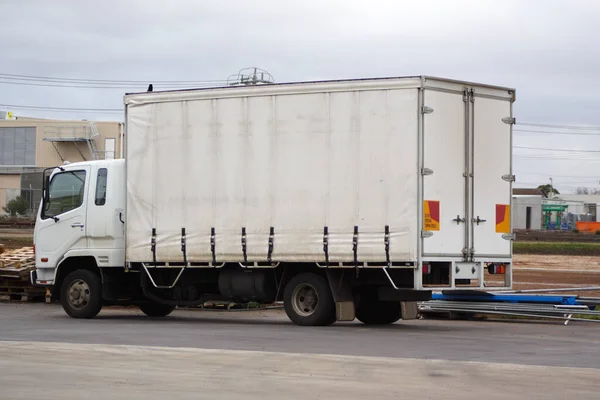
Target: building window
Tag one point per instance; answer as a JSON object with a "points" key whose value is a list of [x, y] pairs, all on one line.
{"points": [[17, 147], [101, 187]]}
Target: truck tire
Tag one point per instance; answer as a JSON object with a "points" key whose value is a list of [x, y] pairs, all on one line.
{"points": [[81, 294], [156, 309], [371, 311], [308, 301]]}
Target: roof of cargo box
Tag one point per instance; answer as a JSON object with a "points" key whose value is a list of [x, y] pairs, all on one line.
{"points": [[415, 81]]}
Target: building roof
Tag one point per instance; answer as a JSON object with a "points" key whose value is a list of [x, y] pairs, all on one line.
{"points": [[527, 191]]}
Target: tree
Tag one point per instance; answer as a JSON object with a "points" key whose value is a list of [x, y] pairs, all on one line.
{"points": [[17, 206], [547, 190], [585, 190]]}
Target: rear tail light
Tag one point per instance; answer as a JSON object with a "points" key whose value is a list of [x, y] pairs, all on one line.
{"points": [[497, 269], [426, 269]]}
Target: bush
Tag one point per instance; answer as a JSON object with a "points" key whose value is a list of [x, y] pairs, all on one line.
{"points": [[575, 230], [17, 206], [597, 232]]}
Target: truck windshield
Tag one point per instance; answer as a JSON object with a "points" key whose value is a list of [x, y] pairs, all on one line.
{"points": [[65, 193]]}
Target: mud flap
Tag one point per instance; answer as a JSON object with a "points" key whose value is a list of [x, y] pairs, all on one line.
{"points": [[409, 310], [340, 284]]}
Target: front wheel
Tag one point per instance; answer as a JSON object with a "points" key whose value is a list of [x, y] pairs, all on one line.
{"points": [[156, 309], [308, 301], [81, 294]]}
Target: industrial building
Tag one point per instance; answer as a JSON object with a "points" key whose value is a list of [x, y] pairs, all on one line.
{"points": [[531, 210], [28, 146]]}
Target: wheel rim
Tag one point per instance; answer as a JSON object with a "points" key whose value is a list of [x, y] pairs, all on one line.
{"points": [[79, 294], [305, 300]]}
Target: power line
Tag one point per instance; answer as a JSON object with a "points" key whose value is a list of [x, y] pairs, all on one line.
{"points": [[594, 128], [564, 150], [103, 81], [63, 109], [557, 133], [120, 86], [558, 176], [557, 183], [556, 158]]}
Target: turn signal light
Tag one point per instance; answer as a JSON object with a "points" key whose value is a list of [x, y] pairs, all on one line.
{"points": [[497, 269]]}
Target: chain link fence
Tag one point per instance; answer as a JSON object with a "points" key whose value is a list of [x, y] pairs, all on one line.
{"points": [[29, 197]]}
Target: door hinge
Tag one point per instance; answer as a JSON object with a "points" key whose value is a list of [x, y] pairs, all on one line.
{"points": [[509, 120], [465, 95], [509, 236], [426, 171], [426, 110], [472, 95], [426, 234], [509, 178]]}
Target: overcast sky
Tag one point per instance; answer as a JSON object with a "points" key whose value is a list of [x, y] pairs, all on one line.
{"points": [[548, 50]]}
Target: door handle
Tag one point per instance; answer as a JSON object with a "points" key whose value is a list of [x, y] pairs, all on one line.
{"points": [[458, 220], [77, 225], [478, 220]]}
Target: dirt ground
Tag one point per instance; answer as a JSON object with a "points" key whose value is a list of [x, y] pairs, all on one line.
{"points": [[551, 272]]}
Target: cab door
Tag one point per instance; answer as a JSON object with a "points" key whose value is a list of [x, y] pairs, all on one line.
{"points": [[61, 224]]}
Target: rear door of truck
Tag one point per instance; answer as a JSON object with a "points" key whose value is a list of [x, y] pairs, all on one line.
{"points": [[466, 173], [444, 184], [491, 170]]}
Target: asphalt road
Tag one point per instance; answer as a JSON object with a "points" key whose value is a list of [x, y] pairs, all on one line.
{"points": [[261, 355]]}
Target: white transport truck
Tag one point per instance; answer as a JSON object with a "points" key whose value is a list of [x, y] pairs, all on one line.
{"points": [[343, 199]]}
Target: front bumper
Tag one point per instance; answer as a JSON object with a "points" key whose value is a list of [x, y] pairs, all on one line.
{"points": [[33, 278]]}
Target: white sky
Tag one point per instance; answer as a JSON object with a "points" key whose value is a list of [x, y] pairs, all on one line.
{"points": [[548, 50]]}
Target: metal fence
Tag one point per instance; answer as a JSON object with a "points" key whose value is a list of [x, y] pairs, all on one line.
{"points": [[32, 197]]}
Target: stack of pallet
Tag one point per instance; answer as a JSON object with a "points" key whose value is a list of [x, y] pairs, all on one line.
{"points": [[15, 266]]}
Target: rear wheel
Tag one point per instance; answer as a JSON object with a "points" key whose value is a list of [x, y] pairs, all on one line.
{"points": [[156, 309], [372, 311], [308, 301], [81, 294]]}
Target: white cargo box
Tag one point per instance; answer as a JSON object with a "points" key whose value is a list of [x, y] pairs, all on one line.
{"points": [[427, 157]]}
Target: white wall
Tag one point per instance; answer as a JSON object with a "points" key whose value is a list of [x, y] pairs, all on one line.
{"points": [[519, 212]]}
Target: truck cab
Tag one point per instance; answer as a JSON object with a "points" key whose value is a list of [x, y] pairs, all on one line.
{"points": [[80, 223]]}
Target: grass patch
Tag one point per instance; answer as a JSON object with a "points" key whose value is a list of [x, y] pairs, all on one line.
{"points": [[16, 242], [559, 249]]}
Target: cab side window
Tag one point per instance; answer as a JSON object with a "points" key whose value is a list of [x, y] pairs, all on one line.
{"points": [[65, 193], [101, 187]]}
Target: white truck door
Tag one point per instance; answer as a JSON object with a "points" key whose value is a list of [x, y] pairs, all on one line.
{"points": [[444, 183], [492, 177], [62, 220]]}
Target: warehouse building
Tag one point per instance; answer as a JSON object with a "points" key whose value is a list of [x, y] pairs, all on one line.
{"points": [[28, 146]]}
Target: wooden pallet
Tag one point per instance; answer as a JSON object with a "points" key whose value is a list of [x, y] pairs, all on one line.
{"points": [[15, 258], [22, 293], [17, 263], [23, 297]]}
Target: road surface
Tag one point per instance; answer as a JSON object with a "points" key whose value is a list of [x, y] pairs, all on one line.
{"points": [[260, 355]]}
